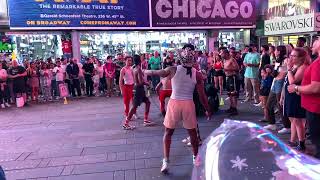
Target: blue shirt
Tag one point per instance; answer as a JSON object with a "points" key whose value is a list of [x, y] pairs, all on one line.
{"points": [[266, 83], [252, 58]]}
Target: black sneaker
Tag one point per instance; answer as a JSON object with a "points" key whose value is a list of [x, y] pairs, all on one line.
{"points": [[229, 110], [263, 120], [234, 113], [301, 147], [292, 144]]}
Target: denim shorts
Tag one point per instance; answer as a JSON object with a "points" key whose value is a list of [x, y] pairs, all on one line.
{"points": [[277, 86]]}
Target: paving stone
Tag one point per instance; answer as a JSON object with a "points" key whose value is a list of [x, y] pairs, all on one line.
{"points": [[130, 175], [129, 155], [67, 170], [112, 156], [174, 161], [15, 165], [102, 143], [95, 176], [159, 153], [52, 135], [9, 157], [121, 156], [139, 163], [78, 160], [57, 153], [44, 163], [104, 167], [23, 156], [118, 175], [175, 172], [34, 173]]}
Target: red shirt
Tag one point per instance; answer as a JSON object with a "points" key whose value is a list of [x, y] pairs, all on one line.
{"points": [[311, 102], [66, 47]]}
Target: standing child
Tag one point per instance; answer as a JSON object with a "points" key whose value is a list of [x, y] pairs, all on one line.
{"points": [[265, 87], [96, 82], [33, 73], [109, 70], [45, 82]]}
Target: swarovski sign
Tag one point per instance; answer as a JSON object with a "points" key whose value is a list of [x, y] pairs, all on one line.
{"points": [[287, 25]]}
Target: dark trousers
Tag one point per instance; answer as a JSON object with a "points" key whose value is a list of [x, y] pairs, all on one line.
{"points": [[54, 88], [4, 94], [155, 80], [75, 85], [314, 130], [89, 85], [273, 101], [102, 84]]}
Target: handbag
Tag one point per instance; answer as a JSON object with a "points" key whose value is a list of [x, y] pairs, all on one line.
{"points": [[20, 102], [63, 90]]}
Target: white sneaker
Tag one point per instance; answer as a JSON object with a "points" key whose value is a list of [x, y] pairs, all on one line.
{"points": [[200, 143], [258, 104], [284, 131], [165, 166], [3, 106], [194, 159], [186, 140], [135, 116], [271, 127], [8, 105]]}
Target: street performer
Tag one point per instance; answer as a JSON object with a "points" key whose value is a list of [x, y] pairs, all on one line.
{"points": [[139, 95], [184, 79]]}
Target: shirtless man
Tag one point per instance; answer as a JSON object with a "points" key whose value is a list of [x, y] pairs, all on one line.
{"points": [[126, 83], [184, 79], [231, 70], [139, 95], [165, 92]]}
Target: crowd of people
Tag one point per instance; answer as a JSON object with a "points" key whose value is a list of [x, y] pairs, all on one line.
{"points": [[282, 80]]}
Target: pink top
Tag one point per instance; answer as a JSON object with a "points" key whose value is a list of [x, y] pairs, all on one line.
{"points": [[109, 69]]}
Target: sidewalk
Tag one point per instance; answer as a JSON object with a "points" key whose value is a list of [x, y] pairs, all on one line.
{"points": [[84, 140]]}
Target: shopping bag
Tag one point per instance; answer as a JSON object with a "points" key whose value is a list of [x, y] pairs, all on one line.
{"points": [[63, 89], [20, 102], [221, 103]]}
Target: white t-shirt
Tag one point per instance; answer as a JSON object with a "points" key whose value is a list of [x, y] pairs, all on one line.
{"points": [[59, 73], [100, 71], [80, 69]]}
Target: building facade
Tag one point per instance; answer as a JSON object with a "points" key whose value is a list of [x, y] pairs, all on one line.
{"points": [[285, 21], [100, 28]]}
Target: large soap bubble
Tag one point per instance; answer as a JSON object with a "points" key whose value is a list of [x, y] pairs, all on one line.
{"points": [[245, 151]]}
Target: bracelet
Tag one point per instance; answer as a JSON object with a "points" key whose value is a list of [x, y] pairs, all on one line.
{"points": [[296, 89]]}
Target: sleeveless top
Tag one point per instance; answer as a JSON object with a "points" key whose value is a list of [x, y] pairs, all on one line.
{"points": [[218, 66], [182, 84], [292, 102], [128, 76]]}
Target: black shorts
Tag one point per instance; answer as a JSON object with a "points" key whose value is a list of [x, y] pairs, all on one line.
{"points": [[264, 92], [231, 85], [19, 87], [218, 73], [139, 96]]}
